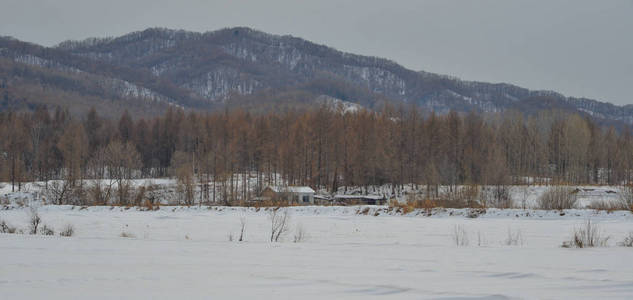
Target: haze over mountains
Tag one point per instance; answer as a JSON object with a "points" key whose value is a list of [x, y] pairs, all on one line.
{"points": [[148, 71]]}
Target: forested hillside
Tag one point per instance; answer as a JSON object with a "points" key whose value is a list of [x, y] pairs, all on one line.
{"points": [[240, 67]]}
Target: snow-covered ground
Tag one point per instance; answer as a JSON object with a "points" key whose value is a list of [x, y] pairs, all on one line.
{"points": [[350, 253]]}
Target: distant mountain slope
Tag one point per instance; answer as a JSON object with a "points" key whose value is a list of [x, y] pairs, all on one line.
{"points": [[240, 65]]}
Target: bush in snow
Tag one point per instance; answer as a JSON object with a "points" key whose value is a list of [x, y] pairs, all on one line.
{"points": [[99, 192], [34, 221], [607, 205], [66, 192], [475, 212], [6, 228], [558, 197], [482, 241], [626, 197], [514, 238], [300, 234], [586, 236], [461, 197], [68, 230], [45, 230], [460, 236], [126, 234], [628, 240]]}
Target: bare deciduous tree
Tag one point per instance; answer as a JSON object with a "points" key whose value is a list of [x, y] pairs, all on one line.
{"points": [[279, 222]]}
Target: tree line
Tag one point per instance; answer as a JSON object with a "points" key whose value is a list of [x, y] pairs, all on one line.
{"points": [[322, 148]]}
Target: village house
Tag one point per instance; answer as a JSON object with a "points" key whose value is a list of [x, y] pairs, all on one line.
{"points": [[292, 194]]}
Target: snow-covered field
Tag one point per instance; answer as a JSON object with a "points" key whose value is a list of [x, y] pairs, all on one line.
{"points": [[185, 253]]}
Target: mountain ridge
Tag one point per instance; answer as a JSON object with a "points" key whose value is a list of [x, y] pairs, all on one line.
{"points": [[211, 69]]}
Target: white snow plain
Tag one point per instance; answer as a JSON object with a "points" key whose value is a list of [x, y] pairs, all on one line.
{"points": [[185, 253]]}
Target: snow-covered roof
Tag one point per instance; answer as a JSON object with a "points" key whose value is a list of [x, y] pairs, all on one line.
{"points": [[292, 189]]}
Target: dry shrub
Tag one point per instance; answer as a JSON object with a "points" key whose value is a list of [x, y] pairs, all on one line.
{"points": [[6, 228], [460, 197], [402, 208], [67, 192], [300, 234], [34, 221], [140, 196], [260, 204], [148, 205], [123, 192], [626, 197], [606, 205], [460, 236], [586, 236], [482, 241], [514, 238], [68, 231], [628, 240], [558, 198], [365, 211], [45, 230], [475, 212], [99, 193], [414, 201], [126, 234], [428, 205], [501, 197]]}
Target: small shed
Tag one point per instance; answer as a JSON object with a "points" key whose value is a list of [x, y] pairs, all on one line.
{"points": [[293, 194]]}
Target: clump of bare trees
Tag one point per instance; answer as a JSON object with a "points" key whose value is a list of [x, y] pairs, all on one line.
{"points": [[558, 197]]}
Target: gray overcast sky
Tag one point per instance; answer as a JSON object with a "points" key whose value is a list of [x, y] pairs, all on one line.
{"points": [[576, 47]]}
